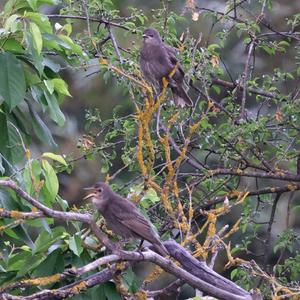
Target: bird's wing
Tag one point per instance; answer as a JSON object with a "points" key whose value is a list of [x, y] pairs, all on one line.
{"points": [[136, 222], [172, 56]]}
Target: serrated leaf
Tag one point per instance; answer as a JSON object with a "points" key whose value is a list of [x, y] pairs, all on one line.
{"points": [[12, 80]]}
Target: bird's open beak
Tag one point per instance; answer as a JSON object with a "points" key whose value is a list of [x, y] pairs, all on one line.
{"points": [[90, 195], [144, 36]]}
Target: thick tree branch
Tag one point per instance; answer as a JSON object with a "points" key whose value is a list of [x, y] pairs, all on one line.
{"points": [[68, 290]]}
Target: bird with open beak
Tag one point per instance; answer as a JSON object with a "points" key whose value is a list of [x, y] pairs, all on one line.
{"points": [[157, 61], [123, 217]]}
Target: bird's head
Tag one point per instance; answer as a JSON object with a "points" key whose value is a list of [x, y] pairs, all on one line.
{"points": [[99, 193], [151, 36]]}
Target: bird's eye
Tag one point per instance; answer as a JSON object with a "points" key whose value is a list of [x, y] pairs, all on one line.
{"points": [[100, 190], [151, 35]]}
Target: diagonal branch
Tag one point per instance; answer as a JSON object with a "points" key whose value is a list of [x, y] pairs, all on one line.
{"points": [[66, 216]]}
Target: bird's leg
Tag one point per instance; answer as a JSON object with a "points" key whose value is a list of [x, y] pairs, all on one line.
{"points": [[140, 245], [155, 95], [139, 248]]}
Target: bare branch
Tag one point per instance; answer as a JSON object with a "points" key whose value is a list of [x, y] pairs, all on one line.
{"points": [[91, 19]]}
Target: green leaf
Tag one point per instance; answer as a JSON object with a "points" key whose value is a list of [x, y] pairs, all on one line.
{"points": [[67, 28], [269, 50], [53, 264], [10, 146], [61, 86], [12, 80], [233, 274], [132, 280], [56, 157], [23, 235], [217, 89], [149, 198], [55, 67], [75, 245], [11, 23], [213, 47], [111, 292], [32, 172], [49, 85], [51, 181], [36, 37], [54, 110], [40, 128], [30, 263], [45, 239], [51, 41], [2, 169], [32, 4], [74, 47], [11, 45], [16, 262]]}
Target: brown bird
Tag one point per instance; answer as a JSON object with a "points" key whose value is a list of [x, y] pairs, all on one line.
{"points": [[157, 60], [122, 216]]}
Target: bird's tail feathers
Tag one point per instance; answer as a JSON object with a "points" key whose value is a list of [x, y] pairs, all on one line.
{"points": [[181, 98], [161, 249]]}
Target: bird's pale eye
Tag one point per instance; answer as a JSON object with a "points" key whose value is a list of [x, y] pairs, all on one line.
{"points": [[100, 190]]}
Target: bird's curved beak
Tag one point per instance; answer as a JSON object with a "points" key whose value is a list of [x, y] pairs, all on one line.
{"points": [[90, 195]]}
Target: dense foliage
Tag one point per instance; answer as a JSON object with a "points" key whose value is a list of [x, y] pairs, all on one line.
{"points": [[213, 177]]}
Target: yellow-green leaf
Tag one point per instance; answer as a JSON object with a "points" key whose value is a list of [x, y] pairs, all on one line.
{"points": [[55, 157], [51, 181], [61, 86], [11, 23], [36, 36]]}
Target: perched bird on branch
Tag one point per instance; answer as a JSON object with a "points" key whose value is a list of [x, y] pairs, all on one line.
{"points": [[157, 60], [122, 216]]}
